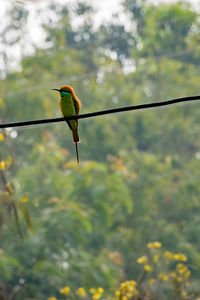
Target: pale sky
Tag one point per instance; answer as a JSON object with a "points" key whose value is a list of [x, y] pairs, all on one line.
{"points": [[105, 9]]}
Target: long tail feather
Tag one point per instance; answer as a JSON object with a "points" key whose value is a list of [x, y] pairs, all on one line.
{"points": [[77, 154], [75, 135], [76, 140]]}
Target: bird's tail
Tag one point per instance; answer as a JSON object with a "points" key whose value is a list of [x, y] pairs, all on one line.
{"points": [[75, 135], [76, 140], [77, 154]]}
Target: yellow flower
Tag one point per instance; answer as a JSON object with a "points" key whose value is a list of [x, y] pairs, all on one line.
{"points": [[180, 256], [179, 279], [156, 258], [132, 282], [151, 281], [163, 276], [157, 245], [128, 286], [2, 165], [183, 270], [147, 268], [180, 267], [131, 288], [117, 293], [65, 291], [124, 297], [168, 255], [150, 245], [154, 245], [52, 298], [92, 291], [96, 296], [81, 292], [1, 137], [123, 286], [142, 260], [129, 295], [24, 199], [1, 100], [100, 290]]}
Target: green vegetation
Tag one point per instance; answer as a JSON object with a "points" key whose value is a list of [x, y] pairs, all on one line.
{"points": [[68, 228]]}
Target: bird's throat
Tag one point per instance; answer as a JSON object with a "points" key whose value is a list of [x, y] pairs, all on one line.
{"points": [[64, 93], [67, 105]]}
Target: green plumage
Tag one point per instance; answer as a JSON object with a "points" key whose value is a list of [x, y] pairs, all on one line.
{"points": [[70, 105], [68, 108]]}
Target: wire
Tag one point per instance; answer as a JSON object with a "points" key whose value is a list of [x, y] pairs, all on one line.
{"points": [[102, 112], [92, 73], [47, 84], [77, 45]]}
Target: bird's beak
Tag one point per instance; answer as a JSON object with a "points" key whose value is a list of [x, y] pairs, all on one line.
{"points": [[56, 90]]}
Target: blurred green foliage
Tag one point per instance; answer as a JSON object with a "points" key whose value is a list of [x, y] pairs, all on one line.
{"points": [[86, 225]]}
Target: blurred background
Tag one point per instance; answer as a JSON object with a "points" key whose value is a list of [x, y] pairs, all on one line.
{"points": [[131, 209]]}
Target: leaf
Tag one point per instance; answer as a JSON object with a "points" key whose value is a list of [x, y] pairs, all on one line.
{"points": [[26, 215]]}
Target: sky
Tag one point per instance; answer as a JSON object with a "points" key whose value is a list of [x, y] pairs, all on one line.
{"points": [[36, 36], [105, 8]]}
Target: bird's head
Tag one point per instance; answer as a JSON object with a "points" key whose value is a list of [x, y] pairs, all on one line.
{"points": [[65, 90]]}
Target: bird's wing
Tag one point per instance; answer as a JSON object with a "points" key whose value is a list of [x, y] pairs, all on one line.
{"points": [[77, 105], [68, 122]]}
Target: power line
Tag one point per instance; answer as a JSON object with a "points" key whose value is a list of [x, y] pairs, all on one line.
{"points": [[47, 84], [102, 112], [89, 74], [77, 45]]}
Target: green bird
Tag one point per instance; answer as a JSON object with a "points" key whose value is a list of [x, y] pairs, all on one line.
{"points": [[70, 105]]}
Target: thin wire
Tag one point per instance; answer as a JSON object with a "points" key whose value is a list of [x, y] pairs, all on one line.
{"points": [[102, 112], [76, 45], [47, 84], [89, 74]]}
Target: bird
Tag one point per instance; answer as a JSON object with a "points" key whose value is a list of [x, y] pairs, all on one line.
{"points": [[70, 105]]}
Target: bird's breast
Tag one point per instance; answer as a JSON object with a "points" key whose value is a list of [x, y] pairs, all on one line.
{"points": [[66, 105]]}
